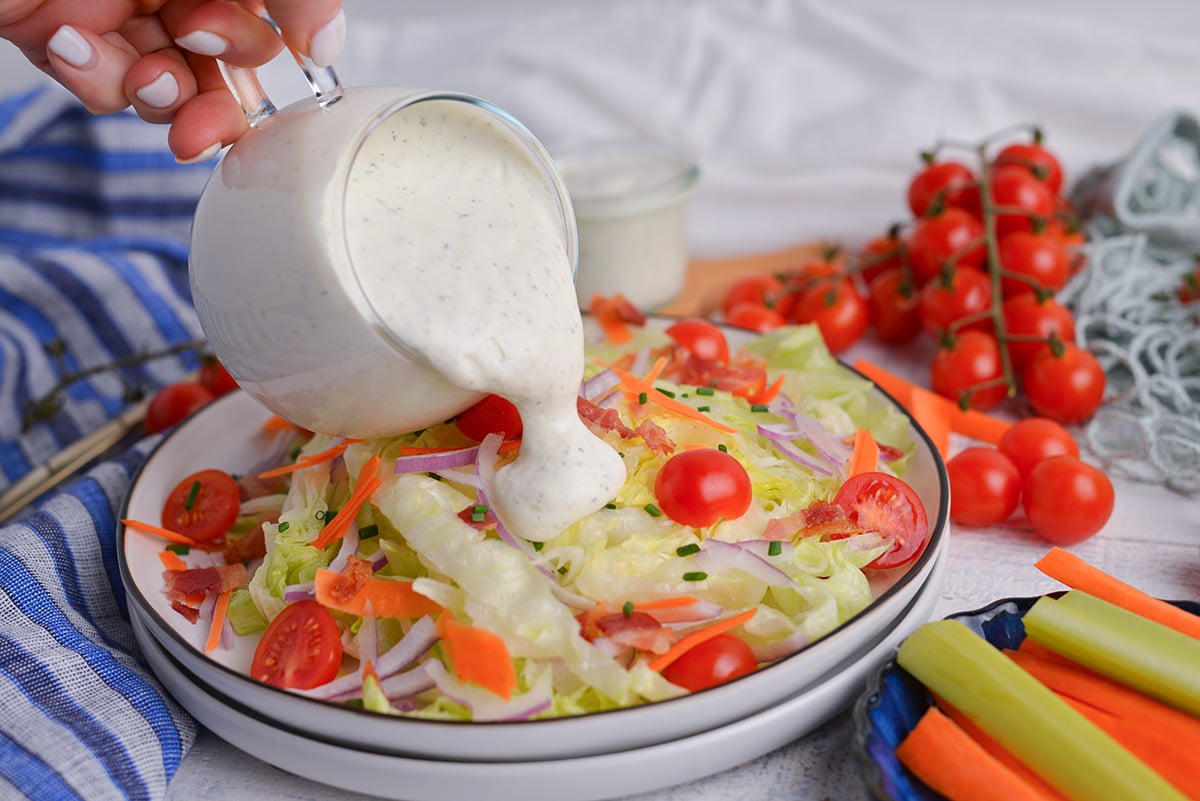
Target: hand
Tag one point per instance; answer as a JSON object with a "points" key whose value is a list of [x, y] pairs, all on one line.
{"points": [[158, 55]]}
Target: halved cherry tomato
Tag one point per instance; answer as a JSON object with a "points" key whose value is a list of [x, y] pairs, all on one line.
{"points": [[717, 660], [883, 503], [203, 506], [492, 415], [215, 378], [702, 486], [704, 339], [173, 403], [300, 649]]}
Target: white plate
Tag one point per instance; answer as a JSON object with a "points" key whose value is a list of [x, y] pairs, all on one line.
{"points": [[225, 435], [588, 778]]}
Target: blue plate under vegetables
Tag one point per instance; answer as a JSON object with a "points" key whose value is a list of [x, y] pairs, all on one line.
{"points": [[894, 701]]}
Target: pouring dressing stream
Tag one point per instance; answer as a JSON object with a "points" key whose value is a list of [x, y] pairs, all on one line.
{"points": [[380, 261]]}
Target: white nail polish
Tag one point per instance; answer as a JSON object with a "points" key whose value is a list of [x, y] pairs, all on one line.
{"points": [[203, 43], [163, 91], [327, 43], [69, 45], [203, 155]]}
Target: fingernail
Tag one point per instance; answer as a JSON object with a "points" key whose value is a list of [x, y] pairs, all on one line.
{"points": [[327, 43], [69, 45], [203, 43], [163, 91], [203, 155]]}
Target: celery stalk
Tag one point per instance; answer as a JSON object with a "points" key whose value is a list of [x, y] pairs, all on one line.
{"points": [[1026, 717], [1147, 656]]}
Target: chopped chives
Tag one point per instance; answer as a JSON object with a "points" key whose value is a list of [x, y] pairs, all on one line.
{"points": [[704, 390], [721, 447], [643, 397], [702, 408], [698, 575], [666, 392], [627, 609], [478, 516], [775, 548], [179, 548], [537, 546], [610, 505], [562, 571], [435, 476], [193, 491], [687, 550], [758, 407], [652, 510], [284, 526], [480, 508], [367, 532]]}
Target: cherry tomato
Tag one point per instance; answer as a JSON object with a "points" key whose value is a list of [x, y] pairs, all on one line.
{"points": [[893, 307], [948, 181], [883, 503], [763, 290], [300, 649], [1032, 259], [1040, 162], [1067, 500], [754, 316], [985, 486], [936, 239], [1189, 288], [1027, 316], [704, 339], [203, 506], [967, 293], [1021, 196], [492, 415], [1032, 440], [883, 253], [717, 660], [971, 359], [1067, 387], [837, 309], [173, 403], [215, 378], [703, 486]]}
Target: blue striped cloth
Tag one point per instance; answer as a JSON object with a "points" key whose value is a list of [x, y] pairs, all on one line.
{"points": [[94, 221]]}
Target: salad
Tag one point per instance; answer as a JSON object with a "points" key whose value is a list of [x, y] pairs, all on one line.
{"points": [[764, 489]]}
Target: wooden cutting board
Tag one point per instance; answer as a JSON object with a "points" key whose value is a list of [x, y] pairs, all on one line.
{"points": [[709, 279]]}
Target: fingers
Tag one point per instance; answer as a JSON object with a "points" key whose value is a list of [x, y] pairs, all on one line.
{"points": [[203, 124], [93, 67], [316, 28], [230, 32]]}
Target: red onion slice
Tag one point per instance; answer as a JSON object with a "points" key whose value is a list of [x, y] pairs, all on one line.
{"points": [[781, 437], [411, 647], [435, 462], [789, 645], [718, 553], [486, 705], [600, 385], [305, 591]]}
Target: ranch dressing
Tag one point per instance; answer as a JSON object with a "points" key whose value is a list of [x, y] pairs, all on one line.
{"points": [[485, 296]]}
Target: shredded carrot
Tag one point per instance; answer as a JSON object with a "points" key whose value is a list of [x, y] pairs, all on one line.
{"points": [[171, 560], [218, 621], [758, 392], [605, 312], [327, 455], [1064, 566], [666, 603], [865, 457], [705, 634], [276, 424], [367, 483], [947, 759], [655, 370], [637, 386], [379, 597], [159, 531], [477, 655]]}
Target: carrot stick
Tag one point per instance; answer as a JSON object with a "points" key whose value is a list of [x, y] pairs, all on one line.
{"points": [[159, 531], [637, 386], [666, 603], [171, 561], [327, 455], [945, 757], [929, 411], [1064, 566], [379, 597], [705, 634], [477, 655], [218, 621], [865, 457], [977, 425], [367, 483], [276, 424]]}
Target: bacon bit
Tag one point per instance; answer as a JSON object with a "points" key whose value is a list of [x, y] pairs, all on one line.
{"points": [[251, 545], [190, 613], [182, 584], [656, 438], [603, 419], [351, 580], [327, 455], [636, 630], [821, 519], [250, 487]]}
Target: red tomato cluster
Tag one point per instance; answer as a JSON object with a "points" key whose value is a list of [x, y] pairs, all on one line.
{"points": [[976, 269], [1036, 465], [174, 402]]}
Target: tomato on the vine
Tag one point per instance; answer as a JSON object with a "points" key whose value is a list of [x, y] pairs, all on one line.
{"points": [[717, 660], [1030, 321], [965, 294], [935, 240], [492, 415], [300, 649], [763, 290], [837, 309], [202, 506], [969, 368], [893, 306], [985, 486], [704, 339], [1067, 500], [881, 254], [948, 182], [215, 378], [1032, 156], [171, 404], [883, 503], [1032, 440], [1021, 198], [1189, 288], [754, 316], [1032, 262], [702, 487], [1067, 386]]}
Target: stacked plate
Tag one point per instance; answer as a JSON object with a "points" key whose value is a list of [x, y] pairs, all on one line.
{"points": [[594, 756]]}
